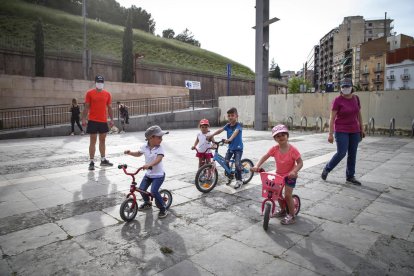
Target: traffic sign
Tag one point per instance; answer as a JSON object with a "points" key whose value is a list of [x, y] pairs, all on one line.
{"points": [[193, 84]]}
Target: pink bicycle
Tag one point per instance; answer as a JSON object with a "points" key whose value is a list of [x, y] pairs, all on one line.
{"points": [[272, 190]]}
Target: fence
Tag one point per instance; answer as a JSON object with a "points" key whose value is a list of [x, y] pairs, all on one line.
{"points": [[49, 115]]}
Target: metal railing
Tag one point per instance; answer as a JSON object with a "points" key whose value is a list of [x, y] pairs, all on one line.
{"points": [[392, 127], [316, 124], [50, 115], [371, 126], [301, 123]]}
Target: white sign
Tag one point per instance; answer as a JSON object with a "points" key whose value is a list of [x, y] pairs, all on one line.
{"points": [[193, 84]]}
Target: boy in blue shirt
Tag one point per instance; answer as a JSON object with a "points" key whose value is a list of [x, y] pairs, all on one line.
{"points": [[234, 139]]}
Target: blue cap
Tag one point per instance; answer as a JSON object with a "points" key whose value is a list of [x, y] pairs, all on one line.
{"points": [[346, 82]]}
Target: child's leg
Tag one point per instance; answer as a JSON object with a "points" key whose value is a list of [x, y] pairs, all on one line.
{"points": [[200, 161], [289, 200], [145, 183], [156, 184], [229, 155], [237, 160]]}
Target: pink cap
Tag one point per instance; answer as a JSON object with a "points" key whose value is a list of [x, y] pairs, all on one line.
{"points": [[278, 129], [204, 122]]}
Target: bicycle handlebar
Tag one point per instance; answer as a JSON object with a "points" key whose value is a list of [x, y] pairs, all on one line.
{"points": [[125, 166], [218, 144]]}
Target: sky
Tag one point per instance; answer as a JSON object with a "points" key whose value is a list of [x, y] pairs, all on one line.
{"points": [[225, 26]]}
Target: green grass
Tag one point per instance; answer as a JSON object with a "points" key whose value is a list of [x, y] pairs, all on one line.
{"points": [[63, 32]]}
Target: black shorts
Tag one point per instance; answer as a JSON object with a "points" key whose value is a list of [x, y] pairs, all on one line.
{"points": [[97, 127]]}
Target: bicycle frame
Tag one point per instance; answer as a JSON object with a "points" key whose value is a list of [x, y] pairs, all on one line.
{"points": [[217, 157], [272, 189], [133, 187]]}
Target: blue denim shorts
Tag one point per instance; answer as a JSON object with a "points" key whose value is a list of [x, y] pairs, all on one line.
{"points": [[290, 182]]}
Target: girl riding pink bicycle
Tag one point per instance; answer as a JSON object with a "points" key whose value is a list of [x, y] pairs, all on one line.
{"points": [[288, 164]]}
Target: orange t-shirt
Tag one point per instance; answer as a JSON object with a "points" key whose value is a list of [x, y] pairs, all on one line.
{"points": [[98, 102]]}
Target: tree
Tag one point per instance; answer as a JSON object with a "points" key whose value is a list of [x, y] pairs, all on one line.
{"points": [[274, 70], [168, 33], [127, 54], [295, 83], [187, 37], [39, 49]]}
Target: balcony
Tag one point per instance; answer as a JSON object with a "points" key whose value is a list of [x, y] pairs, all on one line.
{"points": [[377, 80], [365, 72], [391, 78], [405, 77], [364, 82], [378, 70]]}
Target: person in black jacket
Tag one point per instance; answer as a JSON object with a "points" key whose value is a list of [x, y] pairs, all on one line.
{"points": [[75, 117], [123, 112]]}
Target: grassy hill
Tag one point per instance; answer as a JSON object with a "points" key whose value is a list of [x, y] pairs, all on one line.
{"points": [[63, 32]]}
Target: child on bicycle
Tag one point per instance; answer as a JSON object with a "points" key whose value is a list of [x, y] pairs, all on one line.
{"points": [[155, 175], [234, 139], [288, 163], [202, 144]]}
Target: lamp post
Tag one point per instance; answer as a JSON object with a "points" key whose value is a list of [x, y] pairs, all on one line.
{"points": [[85, 51], [262, 64]]}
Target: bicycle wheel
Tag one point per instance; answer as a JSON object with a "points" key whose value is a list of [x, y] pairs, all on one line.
{"points": [[266, 216], [166, 197], [296, 203], [247, 175], [206, 178], [127, 212]]}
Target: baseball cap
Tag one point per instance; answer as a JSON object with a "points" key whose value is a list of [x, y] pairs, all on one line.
{"points": [[154, 131], [204, 122], [99, 78], [346, 82], [278, 129]]}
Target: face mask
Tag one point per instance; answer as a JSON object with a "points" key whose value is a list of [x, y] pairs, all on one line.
{"points": [[99, 85], [346, 90]]}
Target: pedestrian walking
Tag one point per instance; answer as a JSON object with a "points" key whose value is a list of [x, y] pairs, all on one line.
{"points": [[347, 128], [75, 117]]}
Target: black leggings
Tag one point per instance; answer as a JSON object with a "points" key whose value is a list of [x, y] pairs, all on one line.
{"points": [[72, 123]]}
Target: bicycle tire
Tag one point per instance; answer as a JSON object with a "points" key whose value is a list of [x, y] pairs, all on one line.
{"points": [[125, 211], [206, 185], [296, 203], [166, 197], [247, 174], [266, 216]]}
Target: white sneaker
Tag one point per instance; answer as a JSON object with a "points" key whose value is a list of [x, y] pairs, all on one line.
{"points": [[239, 183]]}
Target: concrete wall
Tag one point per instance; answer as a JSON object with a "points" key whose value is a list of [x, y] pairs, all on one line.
{"points": [[381, 105], [167, 121], [69, 67], [22, 91]]}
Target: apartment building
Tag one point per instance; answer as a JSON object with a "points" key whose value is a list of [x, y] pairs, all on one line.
{"points": [[336, 51], [399, 69], [373, 55]]}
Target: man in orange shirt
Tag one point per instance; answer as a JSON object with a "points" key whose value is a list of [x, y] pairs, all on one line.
{"points": [[97, 102]]}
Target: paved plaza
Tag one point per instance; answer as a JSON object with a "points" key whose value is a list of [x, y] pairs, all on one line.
{"points": [[58, 218]]}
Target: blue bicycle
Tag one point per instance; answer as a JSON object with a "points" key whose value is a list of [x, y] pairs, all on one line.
{"points": [[207, 175]]}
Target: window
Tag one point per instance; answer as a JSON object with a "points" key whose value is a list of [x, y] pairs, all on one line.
{"points": [[370, 31], [378, 66], [369, 24], [366, 69]]}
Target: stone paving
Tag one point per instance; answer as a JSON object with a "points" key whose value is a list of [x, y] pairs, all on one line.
{"points": [[58, 218]]}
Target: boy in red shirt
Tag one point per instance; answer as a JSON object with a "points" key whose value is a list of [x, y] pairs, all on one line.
{"points": [[98, 106]]}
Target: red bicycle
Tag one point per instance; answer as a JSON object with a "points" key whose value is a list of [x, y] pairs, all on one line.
{"points": [[129, 208], [272, 190]]}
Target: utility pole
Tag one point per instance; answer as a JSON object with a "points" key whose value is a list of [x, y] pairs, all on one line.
{"points": [[262, 64], [85, 54]]}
